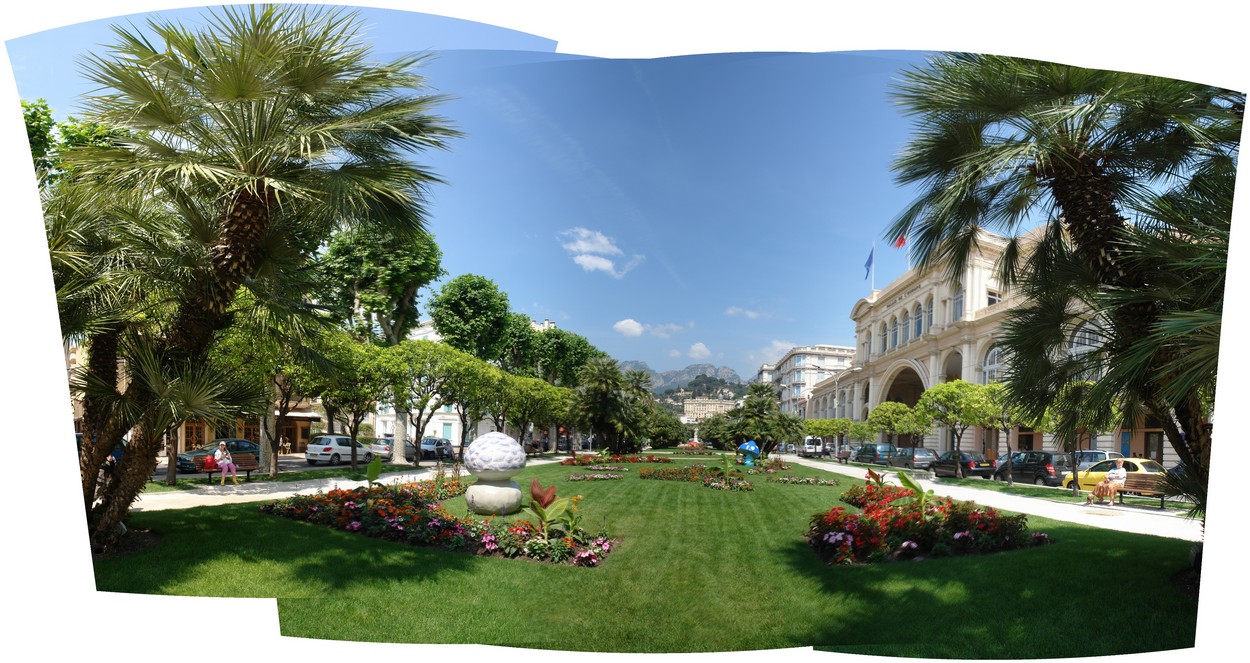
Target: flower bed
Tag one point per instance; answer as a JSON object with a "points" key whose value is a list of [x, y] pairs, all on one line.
{"points": [[896, 523], [592, 459], [410, 514], [709, 478], [804, 481], [598, 476], [606, 468]]}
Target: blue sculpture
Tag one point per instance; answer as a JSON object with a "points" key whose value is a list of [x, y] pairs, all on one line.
{"points": [[750, 451]]}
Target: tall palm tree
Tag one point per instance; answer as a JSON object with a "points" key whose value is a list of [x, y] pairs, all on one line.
{"points": [[1006, 143], [279, 119], [256, 137]]}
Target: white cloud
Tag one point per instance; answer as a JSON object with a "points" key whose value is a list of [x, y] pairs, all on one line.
{"points": [[771, 354], [750, 315], [699, 351], [595, 263], [629, 328], [674, 353], [589, 248], [581, 240], [664, 331]]}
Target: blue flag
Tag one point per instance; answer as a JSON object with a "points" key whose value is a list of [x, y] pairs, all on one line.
{"points": [[868, 265]]}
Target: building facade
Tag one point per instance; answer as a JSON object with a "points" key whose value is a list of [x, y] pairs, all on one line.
{"points": [[801, 369], [924, 329], [695, 410]]}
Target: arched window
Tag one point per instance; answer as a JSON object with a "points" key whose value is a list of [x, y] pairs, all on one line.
{"points": [[893, 333], [882, 344], [918, 321], [1087, 338], [905, 328], [928, 314], [957, 303], [993, 365]]}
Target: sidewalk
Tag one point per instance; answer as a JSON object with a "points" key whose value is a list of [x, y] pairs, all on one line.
{"points": [[265, 491], [1136, 519], [1139, 520]]}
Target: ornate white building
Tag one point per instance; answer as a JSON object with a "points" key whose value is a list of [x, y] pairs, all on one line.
{"points": [[923, 329], [800, 369]]}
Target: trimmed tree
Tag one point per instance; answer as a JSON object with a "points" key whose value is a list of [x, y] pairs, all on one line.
{"points": [[957, 405]]}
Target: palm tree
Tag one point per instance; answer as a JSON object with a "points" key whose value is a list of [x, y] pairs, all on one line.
{"points": [[244, 144], [1003, 141], [601, 401], [266, 129]]}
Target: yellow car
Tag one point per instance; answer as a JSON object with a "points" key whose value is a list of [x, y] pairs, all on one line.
{"points": [[1098, 471]]}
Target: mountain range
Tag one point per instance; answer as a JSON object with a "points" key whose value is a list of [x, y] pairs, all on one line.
{"points": [[662, 380]]}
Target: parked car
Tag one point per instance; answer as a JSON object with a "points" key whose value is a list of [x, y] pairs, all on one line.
{"points": [[877, 453], [974, 465], [185, 461], [1098, 471], [431, 448], [335, 449], [1044, 468], [1084, 459], [915, 458], [382, 447]]}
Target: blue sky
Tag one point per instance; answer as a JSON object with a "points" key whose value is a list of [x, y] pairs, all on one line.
{"points": [[705, 208]]}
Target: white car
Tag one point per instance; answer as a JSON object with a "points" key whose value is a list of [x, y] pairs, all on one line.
{"points": [[1084, 459], [335, 449]]}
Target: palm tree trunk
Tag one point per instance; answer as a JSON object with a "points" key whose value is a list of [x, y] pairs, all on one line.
{"points": [[125, 484]]}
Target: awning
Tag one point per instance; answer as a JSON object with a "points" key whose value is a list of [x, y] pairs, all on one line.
{"points": [[309, 416]]}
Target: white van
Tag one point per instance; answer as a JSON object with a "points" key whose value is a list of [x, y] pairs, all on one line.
{"points": [[813, 446]]}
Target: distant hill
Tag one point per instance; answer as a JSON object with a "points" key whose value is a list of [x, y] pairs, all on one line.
{"points": [[661, 381]]}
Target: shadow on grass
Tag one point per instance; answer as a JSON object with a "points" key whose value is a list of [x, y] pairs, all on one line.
{"points": [[1043, 602], [228, 550]]}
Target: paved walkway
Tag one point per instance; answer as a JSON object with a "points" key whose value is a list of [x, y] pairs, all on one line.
{"points": [[1138, 519], [1141, 520]]}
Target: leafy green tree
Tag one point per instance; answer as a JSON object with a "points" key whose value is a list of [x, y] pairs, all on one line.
{"points": [[890, 418], [39, 133], [358, 382], [1001, 141], [1005, 415], [279, 358], [760, 418], [665, 430], [420, 374], [470, 313], [468, 388], [1076, 415], [562, 355], [520, 355], [862, 431], [956, 405]]}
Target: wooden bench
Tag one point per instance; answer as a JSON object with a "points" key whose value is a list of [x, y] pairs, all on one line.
{"points": [[243, 462], [844, 456], [1145, 485]]}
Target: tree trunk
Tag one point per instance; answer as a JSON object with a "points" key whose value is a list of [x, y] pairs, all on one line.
{"points": [[171, 459], [125, 484]]}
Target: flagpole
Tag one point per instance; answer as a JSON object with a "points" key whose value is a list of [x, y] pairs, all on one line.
{"points": [[874, 267]]}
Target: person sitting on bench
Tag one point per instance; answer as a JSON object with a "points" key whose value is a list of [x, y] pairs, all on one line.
{"points": [[1110, 485]]}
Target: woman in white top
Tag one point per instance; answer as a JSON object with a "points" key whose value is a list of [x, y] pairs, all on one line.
{"points": [[226, 463], [1110, 484]]}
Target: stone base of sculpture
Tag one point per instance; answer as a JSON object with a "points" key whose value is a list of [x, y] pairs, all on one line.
{"points": [[493, 498]]}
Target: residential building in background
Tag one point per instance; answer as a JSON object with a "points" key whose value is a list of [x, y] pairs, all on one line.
{"points": [[800, 369]]}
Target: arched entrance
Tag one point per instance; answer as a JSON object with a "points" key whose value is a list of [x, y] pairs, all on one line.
{"points": [[905, 387]]}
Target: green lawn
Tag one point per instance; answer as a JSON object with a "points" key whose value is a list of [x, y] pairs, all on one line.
{"points": [[696, 570]]}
